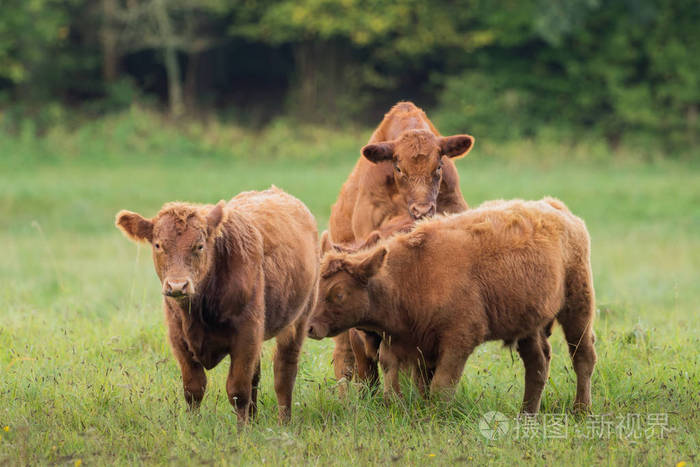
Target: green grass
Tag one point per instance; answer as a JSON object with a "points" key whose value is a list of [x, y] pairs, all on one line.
{"points": [[86, 373]]}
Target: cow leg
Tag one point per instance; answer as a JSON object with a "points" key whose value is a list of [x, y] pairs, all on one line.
{"points": [[365, 347], [286, 363], [576, 319], [254, 393], [343, 361], [422, 376], [372, 343], [194, 380], [450, 365], [245, 358], [536, 364], [390, 364]]}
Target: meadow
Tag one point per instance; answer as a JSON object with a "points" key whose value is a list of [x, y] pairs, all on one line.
{"points": [[86, 375]]}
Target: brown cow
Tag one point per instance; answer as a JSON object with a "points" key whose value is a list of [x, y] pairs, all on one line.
{"points": [[233, 275], [504, 271], [406, 173]]}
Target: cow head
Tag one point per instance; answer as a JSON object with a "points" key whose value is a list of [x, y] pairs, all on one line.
{"points": [[182, 238], [417, 157], [343, 299]]}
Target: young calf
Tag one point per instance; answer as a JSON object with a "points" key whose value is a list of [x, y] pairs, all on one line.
{"points": [[504, 271], [233, 275]]}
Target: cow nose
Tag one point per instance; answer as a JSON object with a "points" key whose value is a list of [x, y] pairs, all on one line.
{"points": [[419, 211], [176, 288], [317, 331]]}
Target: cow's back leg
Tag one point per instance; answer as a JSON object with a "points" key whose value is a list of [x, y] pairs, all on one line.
{"points": [[576, 319], [535, 352], [245, 357], [286, 363]]}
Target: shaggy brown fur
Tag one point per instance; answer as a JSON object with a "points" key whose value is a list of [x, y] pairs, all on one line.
{"points": [[406, 172], [504, 271], [233, 275], [402, 172]]}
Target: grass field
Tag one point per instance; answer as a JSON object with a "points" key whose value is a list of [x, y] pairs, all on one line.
{"points": [[86, 375]]}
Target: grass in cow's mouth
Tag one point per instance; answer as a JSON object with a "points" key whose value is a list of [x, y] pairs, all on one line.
{"points": [[176, 295], [86, 372]]}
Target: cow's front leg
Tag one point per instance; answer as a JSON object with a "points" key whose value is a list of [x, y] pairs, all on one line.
{"points": [[245, 355], [365, 347], [449, 368], [422, 377], [390, 364], [343, 362], [194, 381]]}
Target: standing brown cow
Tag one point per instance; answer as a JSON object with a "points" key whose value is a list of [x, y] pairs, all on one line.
{"points": [[504, 271], [233, 275], [406, 173]]}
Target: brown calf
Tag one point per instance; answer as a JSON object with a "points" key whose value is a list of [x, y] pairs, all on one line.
{"points": [[504, 271], [233, 275], [406, 173]]}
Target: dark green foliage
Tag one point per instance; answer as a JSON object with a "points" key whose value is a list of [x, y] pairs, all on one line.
{"points": [[627, 70]]}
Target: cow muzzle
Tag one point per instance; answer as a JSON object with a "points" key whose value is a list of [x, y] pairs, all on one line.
{"points": [[422, 210], [178, 288], [317, 330]]}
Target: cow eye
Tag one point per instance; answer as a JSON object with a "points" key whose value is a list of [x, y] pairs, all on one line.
{"points": [[335, 297], [156, 246], [200, 247], [397, 168], [438, 171]]}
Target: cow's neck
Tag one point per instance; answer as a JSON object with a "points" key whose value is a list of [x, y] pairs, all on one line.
{"points": [[206, 307], [200, 310], [384, 314]]}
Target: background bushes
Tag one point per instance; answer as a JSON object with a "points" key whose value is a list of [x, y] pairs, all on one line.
{"points": [[626, 71]]}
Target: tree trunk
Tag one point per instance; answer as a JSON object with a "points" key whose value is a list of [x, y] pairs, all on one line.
{"points": [[319, 80], [691, 119], [110, 54], [306, 77], [172, 67], [191, 80]]}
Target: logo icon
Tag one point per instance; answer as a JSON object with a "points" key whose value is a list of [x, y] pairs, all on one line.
{"points": [[493, 425]]}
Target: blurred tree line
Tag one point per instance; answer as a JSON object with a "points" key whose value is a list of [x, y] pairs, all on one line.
{"points": [[496, 68]]}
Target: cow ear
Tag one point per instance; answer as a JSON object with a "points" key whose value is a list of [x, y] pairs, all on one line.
{"points": [[379, 152], [456, 146], [332, 266], [215, 217], [340, 248], [372, 239], [326, 244], [370, 265], [134, 226]]}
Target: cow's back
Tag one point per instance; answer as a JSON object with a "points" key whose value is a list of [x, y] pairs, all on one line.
{"points": [[509, 260], [291, 251]]}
